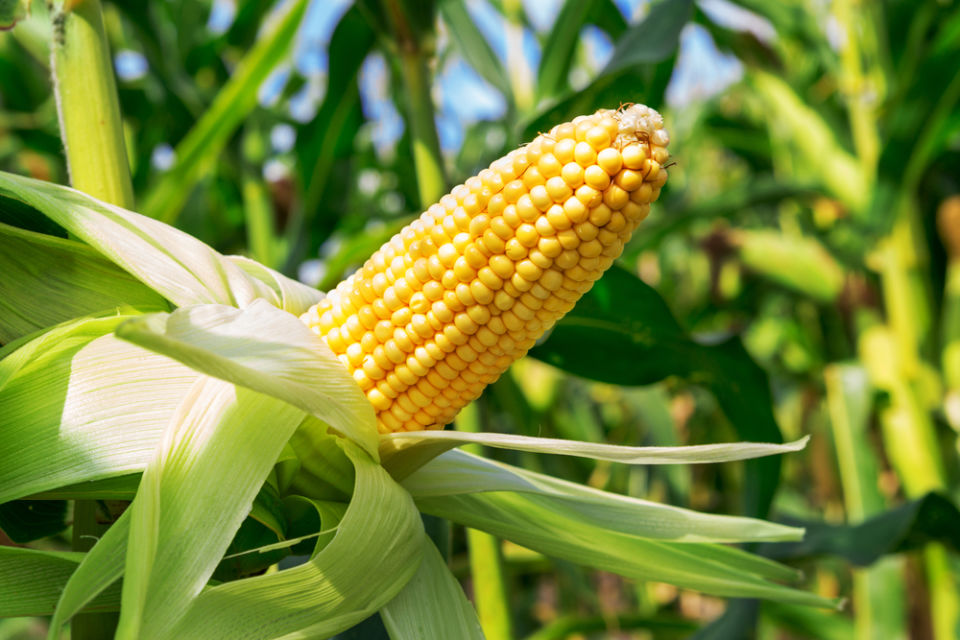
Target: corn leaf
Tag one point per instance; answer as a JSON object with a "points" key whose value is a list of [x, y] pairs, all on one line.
{"points": [[77, 404], [623, 315], [474, 47], [559, 48], [31, 581], [199, 149], [326, 143], [48, 280], [375, 552], [639, 69], [404, 452], [458, 473], [194, 495], [432, 604], [264, 349], [932, 518], [294, 296], [174, 264], [539, 524]]}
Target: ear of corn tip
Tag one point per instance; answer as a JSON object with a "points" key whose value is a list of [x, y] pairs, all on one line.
{"points": [[446, 306]]}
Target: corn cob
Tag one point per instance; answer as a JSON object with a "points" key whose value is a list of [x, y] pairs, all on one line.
{"points": [[444, 307]]}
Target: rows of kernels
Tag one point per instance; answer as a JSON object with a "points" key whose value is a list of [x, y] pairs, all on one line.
{"points": [[444, 307]]}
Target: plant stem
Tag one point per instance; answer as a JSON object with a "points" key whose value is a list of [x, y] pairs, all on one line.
{"points": [[91, 130], [87, 529], [877, 590], [87, 105], [423, 132]]}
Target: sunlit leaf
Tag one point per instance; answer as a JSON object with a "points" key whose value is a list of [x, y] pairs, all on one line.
{"points": [[265, 349], [193, 496], [77, 404], [375, 552], [174, 264]]}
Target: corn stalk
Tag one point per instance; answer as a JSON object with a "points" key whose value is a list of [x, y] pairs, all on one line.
{"points": [[91, 129]]}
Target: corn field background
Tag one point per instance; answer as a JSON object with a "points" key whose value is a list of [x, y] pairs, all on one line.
{"points": [[800, 274]]}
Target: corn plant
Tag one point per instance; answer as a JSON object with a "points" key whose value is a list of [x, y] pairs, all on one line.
{"points": [[240, 455]]}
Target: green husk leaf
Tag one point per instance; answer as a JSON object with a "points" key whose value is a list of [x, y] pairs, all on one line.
{"points": [[295, 297], [173, 263], [403, 453], [221, 437], [375, 552], [458, 473], [264, 349], [77, 405], [432, 604], [48, 280], [535, 522]]}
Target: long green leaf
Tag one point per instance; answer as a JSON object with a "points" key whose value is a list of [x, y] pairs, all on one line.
{"points": [[77, 404], [533, 522], [48, 280], [198, 151], [432, 604], [265, 349], [200, 485], [375, 552], [560, 46], [174, 264], [458, 473], [404, 452], [327, 141], [474, 47], [31, 581], [638, 70], [932, 518]]}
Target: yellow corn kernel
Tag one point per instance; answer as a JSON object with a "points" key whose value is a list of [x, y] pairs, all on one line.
{"points": [[444, 307]]}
